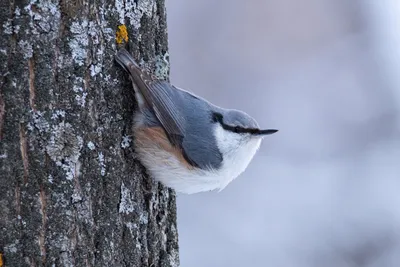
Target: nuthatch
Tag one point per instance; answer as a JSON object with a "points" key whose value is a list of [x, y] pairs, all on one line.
{"points": [[184, 141]]}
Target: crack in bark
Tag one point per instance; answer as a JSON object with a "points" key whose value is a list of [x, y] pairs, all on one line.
{"points": [[31, 67], [24, 150], [42, 236]]}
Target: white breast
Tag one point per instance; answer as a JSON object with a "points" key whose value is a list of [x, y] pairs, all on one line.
{"points": [[167, 169]]}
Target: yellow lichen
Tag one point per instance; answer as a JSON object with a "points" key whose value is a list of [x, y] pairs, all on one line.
{"points": [[1, 260], [122, 34]]}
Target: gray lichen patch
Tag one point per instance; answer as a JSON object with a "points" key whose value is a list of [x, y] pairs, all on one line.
{"points": [[134, 10], [11, 248], [102, 164], [58, 114], [126, 141], [44, 16], [95, 69], [79, 42], [162, 66], [7, 27], [91, 145], [144, 217], [64, 148], [26, 49], [126, 204], [84, 32], [173, 258], [78, 88], [38, 122]]}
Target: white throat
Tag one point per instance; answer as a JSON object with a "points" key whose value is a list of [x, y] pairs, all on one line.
{"points": [[238, 151]]}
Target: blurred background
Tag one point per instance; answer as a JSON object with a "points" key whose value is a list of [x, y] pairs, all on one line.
{"points": [[325, 190]]}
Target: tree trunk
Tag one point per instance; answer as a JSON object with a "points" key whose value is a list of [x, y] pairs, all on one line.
{"points": [[72, 192]]}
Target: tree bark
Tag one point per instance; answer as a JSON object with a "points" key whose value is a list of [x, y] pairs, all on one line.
{"points": [[72, 192]]}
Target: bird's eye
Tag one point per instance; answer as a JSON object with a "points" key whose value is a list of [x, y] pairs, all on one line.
{"points": [[236, 129], [217, 117]]}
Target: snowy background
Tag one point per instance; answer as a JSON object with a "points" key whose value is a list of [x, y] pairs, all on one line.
{"points": [[325, 190]]}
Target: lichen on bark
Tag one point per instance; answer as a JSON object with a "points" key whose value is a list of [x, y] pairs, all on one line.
{"points": [[72, 192]]}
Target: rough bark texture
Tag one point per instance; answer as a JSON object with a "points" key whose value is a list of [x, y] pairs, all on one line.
{"points": [[72, 192]]}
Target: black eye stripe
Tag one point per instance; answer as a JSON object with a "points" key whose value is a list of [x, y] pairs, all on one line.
{"points": [[217, 117], [237, 129]]}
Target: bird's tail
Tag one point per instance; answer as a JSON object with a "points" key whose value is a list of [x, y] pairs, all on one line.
{"points": [[125, 59], [139, 77]]}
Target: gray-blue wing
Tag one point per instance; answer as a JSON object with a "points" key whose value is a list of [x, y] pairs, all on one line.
{"points": [[165, 108], [157, 95], [184, 124]]}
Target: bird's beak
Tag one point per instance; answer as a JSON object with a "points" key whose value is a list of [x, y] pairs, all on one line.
{"points": [[266, 132]]}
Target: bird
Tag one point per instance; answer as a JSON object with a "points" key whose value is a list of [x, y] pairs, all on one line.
{"points": [[184, 141]]}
